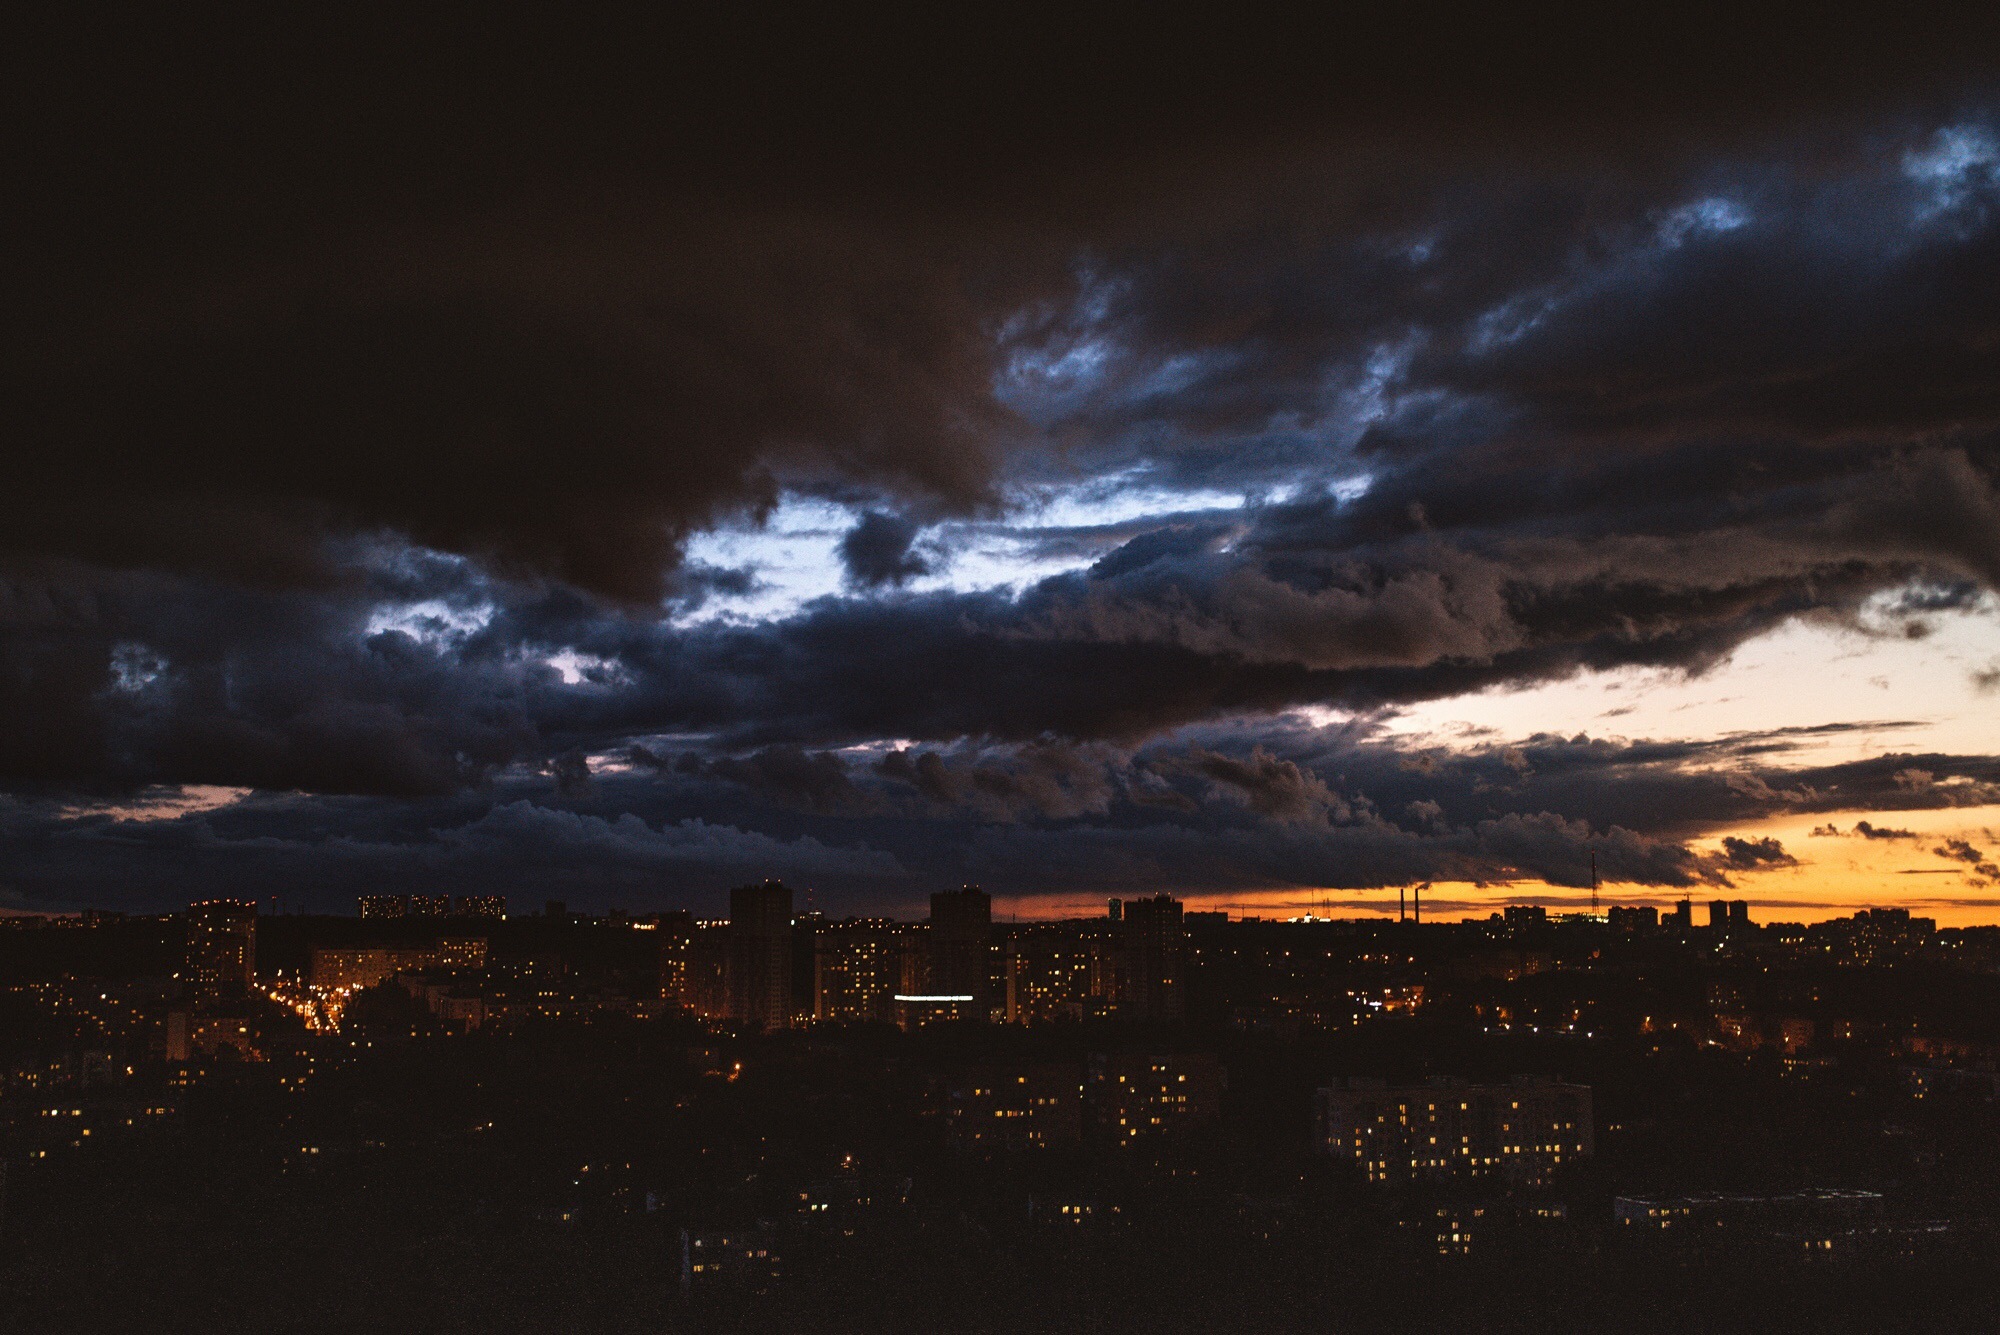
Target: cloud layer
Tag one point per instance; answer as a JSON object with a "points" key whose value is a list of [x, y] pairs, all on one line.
{"points": [[357, 456]]}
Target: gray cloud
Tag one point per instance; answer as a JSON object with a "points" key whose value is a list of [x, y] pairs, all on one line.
{"points": [[1272, 787], [1862, 829], [880, 550], [364, 466]]}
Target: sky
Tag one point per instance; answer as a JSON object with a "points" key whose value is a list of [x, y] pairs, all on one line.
{"points": [[1274, 466]]}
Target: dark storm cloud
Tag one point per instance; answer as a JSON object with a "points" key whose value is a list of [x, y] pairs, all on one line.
{"points": [[1926, 787], [1048, 779], [879, 551], [694, 583], [1272, 787], [1755, 854], [1161, 637], [786, 773], [293, 285], [321, 852], [571, 771], [1181, 813], [564, 415], [362, 404]]}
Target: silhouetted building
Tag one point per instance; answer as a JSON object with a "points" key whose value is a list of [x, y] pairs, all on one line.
{"points": [[736, 1260], [704, 972], [760, 954], [676, 935], [221, 945], [1524, 917], [1521, 1131], [459, 952], [432, 906], [190, 1035], [961, 927], [1681, 919], [914, 1010], [1155, 959], [1644, 919], [351, 967], [849, 1204], [1059, 971], [1016, 1108], [1465, 1228], [1138, 1098], [1728, 916]]}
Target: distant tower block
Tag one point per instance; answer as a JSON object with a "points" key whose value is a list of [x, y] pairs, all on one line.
{"points": [[221, 946], [961, 928], [1155, 956], [760, 954]]}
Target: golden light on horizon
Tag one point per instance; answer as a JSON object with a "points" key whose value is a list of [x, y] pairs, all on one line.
{"points": [[1910, 863]]}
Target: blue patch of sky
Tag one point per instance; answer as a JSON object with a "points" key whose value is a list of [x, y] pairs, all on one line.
{"points": [[795, 554]]}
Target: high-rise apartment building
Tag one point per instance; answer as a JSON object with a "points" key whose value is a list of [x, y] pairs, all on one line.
{"points": [[676, 936], [1059, 971], [1728, 916], [961, 930], [221, 945], [1155, 959], [858, 968], [700, 968], [760, 954]]}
